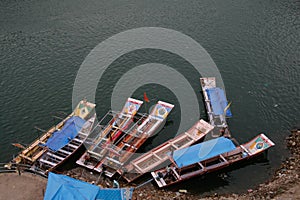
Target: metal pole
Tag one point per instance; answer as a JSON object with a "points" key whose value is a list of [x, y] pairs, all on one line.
{"points": [[141, 185]]}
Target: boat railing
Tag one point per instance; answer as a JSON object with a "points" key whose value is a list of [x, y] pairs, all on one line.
{"points": [[132, 130]]}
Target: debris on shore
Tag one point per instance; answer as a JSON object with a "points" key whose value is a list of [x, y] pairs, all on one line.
{"points": [[284, 181]]}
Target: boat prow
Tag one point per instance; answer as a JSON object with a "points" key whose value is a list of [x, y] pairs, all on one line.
{"points": [[82, 112], [208, 157]]}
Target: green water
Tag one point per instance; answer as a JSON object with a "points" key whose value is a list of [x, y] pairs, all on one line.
{"points": [[255, 45]]}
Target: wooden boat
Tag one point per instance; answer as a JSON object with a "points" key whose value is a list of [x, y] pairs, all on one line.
{"points": [[159, 155], [84, 110], [207, 157], [216, 105], [52, 159], [105, 134], [122, 149]]}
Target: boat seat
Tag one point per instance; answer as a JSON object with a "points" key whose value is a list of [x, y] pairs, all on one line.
{"points": [[47, 162], [128, 145], [222, 157], [175, 173], [78, 140], [65, 152], [108, 174], [81, 133], [115, 161], [71, 145], [55, 156]]}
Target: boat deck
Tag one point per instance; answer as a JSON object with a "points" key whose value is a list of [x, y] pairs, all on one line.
{"points": [[174, 173], [110, 129], [52, 159], [125, 147], [35, 150], [218, 120], [159, 155]]}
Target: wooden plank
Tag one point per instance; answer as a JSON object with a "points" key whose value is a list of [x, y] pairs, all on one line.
{"points": [[175, 173], [48, 162], [94, 153], [78, 140], [201, 165], [245, 150], [222, 157], [39, 154], [73, 146], [113, 160], [137, 167], [55, 156], [65, 152]]}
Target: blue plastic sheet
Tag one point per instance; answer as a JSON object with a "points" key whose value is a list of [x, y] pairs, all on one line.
{"points": [[69, 131], [61, 187], [115, 194], [202, 151], [218, 101]]}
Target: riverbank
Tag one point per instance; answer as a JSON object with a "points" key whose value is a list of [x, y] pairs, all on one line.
{"points": [[22, 187], [285, 183]]}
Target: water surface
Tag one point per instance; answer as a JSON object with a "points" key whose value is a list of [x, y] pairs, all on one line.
{"points": [[255, 45]]}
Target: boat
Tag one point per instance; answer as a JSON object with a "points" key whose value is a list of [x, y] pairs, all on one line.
{"points": [[31, 154], [207, 157], [158, 156], [217, 106], [110, 128], [121, 150], [64, 143]]}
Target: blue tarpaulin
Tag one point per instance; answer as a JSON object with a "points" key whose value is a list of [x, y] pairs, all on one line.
{"points": [[202, 151], [115, 194], [218, 101], [61, 187], [68, 132]]}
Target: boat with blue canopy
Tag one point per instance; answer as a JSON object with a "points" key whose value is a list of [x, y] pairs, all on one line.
{"points": [[217, 106], [159, 155], [60, 141], [207, 157]]}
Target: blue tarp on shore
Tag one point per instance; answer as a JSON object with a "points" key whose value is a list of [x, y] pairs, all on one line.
{"points": [[68, 132], [61, 187], [202, 151], [218, 101]]}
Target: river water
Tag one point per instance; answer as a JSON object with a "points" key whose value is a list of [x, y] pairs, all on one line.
{"points": [[255, 45]]}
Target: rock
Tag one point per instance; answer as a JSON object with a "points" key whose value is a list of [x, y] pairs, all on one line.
{"points": [[182, 191], [250, 190]]}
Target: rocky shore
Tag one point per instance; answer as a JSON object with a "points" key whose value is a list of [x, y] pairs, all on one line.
{"points": [[285, 183]]}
